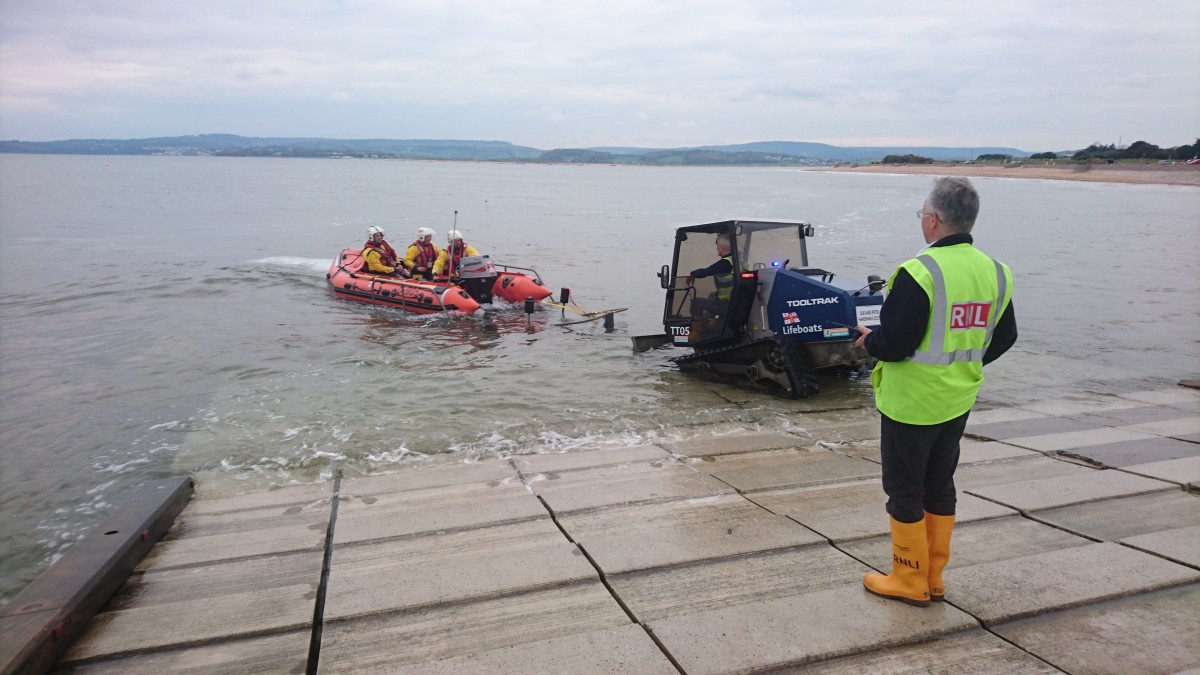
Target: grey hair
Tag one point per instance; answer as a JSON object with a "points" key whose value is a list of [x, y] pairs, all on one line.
{"points": [[956, 203], [723, 239]]}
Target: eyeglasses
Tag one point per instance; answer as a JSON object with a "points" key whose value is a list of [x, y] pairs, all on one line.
{"points": [[921, 213]]}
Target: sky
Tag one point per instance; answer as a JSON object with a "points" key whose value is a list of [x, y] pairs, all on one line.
{"points": [[1035, 75]]}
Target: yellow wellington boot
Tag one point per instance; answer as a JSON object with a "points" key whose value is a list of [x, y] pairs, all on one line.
{"points": [[909, 580], [937, 531]]}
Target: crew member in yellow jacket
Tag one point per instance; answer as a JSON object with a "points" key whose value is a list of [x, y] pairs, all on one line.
{"points": [[450, 259], [421, 254], [948, 313], [379, 256]]}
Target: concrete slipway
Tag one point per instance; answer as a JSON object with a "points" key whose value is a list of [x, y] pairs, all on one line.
{"points": [[1077, 550]]}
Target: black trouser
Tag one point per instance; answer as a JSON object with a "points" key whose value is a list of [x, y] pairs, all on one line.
{"points": [[714, 306], [918, 466]]}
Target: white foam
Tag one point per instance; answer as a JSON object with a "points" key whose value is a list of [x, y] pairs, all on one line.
{"points": [[317, 264]]}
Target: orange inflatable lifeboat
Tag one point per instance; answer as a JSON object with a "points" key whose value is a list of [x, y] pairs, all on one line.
{"points": [[422, 297]]}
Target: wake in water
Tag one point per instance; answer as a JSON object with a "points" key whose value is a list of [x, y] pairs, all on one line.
{"points": [[315, 265]]}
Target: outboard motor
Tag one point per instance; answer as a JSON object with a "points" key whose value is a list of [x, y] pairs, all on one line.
{"points": [[477, 275]]}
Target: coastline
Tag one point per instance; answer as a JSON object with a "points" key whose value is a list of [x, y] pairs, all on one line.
{"points": [[1177, 174]]}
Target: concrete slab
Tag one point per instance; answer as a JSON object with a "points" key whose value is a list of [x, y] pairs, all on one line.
{"points": [[1170, 397], [626, 649], [433, 509], [1064, 490], [1079, 439], [971, 651], [567, 461], [1181, 545], [1176, 428], [1144, 451], [868, 450], [625, 539], [421, 476], [1115, 519], [971, 451], [1119, 417], [314, 513], [1016, 588], [190, 622], [202, 504], [703, 445], [1180, 471], [1081, 404], [1156, 632], [380, 643], [407, 573], [841, 426], [978, 542], [249, 543], [766, 635], [850, 511], [1036, 426], [748, 580], [624, 484], [997, 415], [209, 580], [786, 468], [1014, 470], [283, 653]]}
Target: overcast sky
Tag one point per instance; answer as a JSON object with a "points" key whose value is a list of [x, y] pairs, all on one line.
{"points": [[1033, 75]]}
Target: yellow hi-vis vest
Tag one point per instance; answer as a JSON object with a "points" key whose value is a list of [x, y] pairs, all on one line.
{"points": [[968, 291], [724, 282]]}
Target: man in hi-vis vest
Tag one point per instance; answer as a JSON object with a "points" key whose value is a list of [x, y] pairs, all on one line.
{"points": [[948, 313]]}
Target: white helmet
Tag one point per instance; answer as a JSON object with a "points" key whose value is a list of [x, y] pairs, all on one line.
{"points": [[423, 232], [452, 235], [372, 231]]}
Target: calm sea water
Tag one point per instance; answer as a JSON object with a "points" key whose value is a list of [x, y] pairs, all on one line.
{"points": [[162, 316]]}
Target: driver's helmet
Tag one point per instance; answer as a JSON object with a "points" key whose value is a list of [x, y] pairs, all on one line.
{"points": [[423, 232], [452, 235], [372, 231]]}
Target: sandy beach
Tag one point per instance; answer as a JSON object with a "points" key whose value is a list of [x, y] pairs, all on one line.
{"points": [[1176, 174]]}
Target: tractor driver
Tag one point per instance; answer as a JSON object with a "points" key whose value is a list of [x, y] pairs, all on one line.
{"points": [[722, 273]]}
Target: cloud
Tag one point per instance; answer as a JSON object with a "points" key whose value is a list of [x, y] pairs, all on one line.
{"points": [[654, 72]]}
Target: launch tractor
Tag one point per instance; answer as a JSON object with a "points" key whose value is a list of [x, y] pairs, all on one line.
{"points": [[776, 322]]}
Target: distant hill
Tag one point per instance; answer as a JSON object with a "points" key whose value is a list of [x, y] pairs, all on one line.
{"points": [[765, 152], [694, 157], [230, 145], [834, 153], [861, 154]]}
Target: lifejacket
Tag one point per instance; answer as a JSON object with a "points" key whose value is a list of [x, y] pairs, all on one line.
{"points": [[968, 292], [455, 255], [427, 254], [387, 255], [724, 282]]}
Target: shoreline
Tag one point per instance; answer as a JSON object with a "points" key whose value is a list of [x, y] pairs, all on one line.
{"points": [[1143, 174]]}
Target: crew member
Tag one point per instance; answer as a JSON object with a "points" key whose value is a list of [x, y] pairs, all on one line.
{"points": [[422, 254], [722, 273], [379, 255], [449, 260], [948, 313]]}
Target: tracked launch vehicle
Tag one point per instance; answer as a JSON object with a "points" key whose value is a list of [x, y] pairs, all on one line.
{"points": [[774, 320]]}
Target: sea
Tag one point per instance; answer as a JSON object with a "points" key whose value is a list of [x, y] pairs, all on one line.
{"points": [[164, 316]]}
